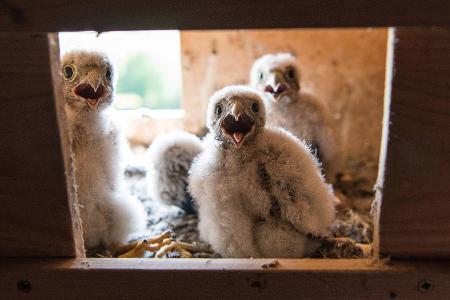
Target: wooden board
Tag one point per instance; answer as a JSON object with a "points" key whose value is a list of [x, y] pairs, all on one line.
{"points": [[415, 195], [103, 15], [65, 143], [223, 279], [35, 218]]}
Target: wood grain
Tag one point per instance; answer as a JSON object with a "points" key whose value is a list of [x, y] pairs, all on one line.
{"points": [[415, 195], [103, 15], [35, 218], [223, 279], [65, 143]]}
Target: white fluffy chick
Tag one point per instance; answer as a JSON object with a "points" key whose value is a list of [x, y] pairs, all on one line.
{"points": [[259, 190], [109, 213], [169, 158], [277, 77]]}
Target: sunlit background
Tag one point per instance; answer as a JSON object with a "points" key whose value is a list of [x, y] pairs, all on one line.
{"points": [[148, 65]]}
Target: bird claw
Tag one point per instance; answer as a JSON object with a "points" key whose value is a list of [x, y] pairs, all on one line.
{"points": [[139, 248], [162, 245], [183, 248], [342, 248]]}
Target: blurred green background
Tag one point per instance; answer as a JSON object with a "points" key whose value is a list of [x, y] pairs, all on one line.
{"points": [[148, 64]]}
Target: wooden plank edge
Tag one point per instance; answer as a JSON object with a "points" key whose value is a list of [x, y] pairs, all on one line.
{"points": [[228, 264], [384, 141], [224, 278], [413, 184], [201, 264], [53, 15], [54, 62]]}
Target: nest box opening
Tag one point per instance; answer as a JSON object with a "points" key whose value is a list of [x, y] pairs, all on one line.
{"points": [[166, 77]]}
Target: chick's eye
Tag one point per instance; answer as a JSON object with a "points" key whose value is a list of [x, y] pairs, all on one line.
{"points": [[108, 74], [291, 73], [255, 107], [218, 110], [69, 71]]}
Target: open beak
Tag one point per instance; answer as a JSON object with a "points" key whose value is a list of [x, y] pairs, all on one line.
{"points": [[276, 86], [92, 91], [238, 125]]}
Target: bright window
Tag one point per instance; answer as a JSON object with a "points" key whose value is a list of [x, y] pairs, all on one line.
{"points": [[148, 65]]}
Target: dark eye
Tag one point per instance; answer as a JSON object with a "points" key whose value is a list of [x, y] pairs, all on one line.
{"points": [[108, 74], [69, 71], [255, 107], [261, 76], [291, 73], [218, 110]]}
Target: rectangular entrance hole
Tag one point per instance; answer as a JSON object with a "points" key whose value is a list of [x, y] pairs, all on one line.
{"points": [[343, 68]]}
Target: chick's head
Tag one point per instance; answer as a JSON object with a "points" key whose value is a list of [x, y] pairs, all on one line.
{"points": [[277, 76], [236, 115], [88, 80]]}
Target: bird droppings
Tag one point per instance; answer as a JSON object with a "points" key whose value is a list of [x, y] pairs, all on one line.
{"points": [[269, 265]]}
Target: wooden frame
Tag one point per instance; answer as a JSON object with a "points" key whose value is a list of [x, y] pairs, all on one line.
{"points": [[224, 279], [103, 15], [414, 167], [34, 195], [39, 216]]}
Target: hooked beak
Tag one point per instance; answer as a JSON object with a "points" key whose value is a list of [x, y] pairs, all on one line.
{"points": [[236, 110], [91, 91], [276, 86], [238, 125]]}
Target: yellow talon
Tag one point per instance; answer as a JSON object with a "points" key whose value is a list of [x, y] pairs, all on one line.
{"points": [[182, 247], [138, 251], [161, 244]]}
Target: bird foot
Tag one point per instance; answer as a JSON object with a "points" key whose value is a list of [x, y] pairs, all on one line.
{"points": [[163, 245], [184, 249], [139, 248], [342, 248]]}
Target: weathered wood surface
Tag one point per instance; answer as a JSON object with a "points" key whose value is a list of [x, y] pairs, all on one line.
{"points": [[102, 15], [35, 218], [415, 195], [223, 279], [65, 144]]}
